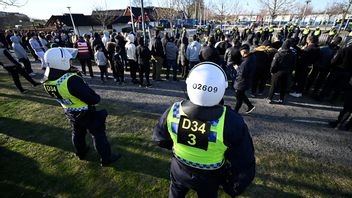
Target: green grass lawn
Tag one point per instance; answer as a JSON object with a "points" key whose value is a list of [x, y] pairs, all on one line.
{"points": [[37, 159]]}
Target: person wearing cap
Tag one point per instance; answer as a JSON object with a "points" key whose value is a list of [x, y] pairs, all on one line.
{"points": [[11, 65], [245, 73], [64, 83], [209, 140]]}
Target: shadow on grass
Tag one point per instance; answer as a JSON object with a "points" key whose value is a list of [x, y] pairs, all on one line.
{"points": [[142, 156], [21, 176], [133, 149], [257, 190], [31, 97], [37, 133]]}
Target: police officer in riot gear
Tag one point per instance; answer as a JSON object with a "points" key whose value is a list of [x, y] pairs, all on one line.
{"points": [[63, 83], [208, 140]]}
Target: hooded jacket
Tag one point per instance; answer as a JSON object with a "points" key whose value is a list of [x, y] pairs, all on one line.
{"points": [[284, 60], [106, 37], [131, 48], [17, 47], [192, 52]]}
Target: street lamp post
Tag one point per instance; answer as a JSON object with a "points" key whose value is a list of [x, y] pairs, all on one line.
{"points": [[73, 23], [143, 24], [305, 10]]}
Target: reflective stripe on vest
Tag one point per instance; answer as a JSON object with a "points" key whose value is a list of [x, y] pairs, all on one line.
{"points": [[4, 60], [82, 48], [59, 90], [210, 159]]}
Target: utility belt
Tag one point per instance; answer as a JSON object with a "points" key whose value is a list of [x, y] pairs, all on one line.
{"points": [[195, 171], [78, 116]]}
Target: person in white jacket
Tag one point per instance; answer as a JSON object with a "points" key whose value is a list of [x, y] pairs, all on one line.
{"points": [[101, 61], [37, 49], [106, 38], [132, 57], [192, 52], [21, 54]]}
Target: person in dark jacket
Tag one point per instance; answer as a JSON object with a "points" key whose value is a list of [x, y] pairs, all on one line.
{"points": [[219, 150], [121, 42], [341, 71], [232, 54], [11, 65], [143, 56], [344, 120], [281, 68], [110, 48], [244, 77], [309, 55], [84, 55], [119, 66], [158, 53], [209, 53], [171, 52], [221, 46], [263, 56], [321, 67], [62, 82]]}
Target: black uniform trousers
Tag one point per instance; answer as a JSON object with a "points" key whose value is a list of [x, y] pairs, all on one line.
{"points": [[336, 83], [26, 64], [144, 70], [261, 76], [279, 82], [301, 75], [93, 122], [240, 98], [15, 71], [317, 75], [183, 178], [133, 69], [86, 62]]}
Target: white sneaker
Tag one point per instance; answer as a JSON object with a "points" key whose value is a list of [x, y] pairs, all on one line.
{"points": [[297, 95]]}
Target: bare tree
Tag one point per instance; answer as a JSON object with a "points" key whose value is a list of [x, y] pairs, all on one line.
{"points": [[333, 9], [303, 10], [15, 3], [276, 7], [137, 3], [187, 6], [104, 17], [226, 8], [346, 6], [167, 10]]}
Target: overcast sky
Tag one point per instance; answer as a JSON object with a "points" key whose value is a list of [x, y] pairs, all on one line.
{"points": [[43, 9]]}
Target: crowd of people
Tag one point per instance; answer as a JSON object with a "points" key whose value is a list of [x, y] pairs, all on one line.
{"points": [[290, 59]]}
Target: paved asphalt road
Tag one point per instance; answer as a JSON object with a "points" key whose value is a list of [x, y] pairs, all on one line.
{"points": [[299, 125]]}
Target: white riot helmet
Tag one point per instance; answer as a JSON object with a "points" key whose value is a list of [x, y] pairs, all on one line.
{"points": [[59, 58], [206, 84]]}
